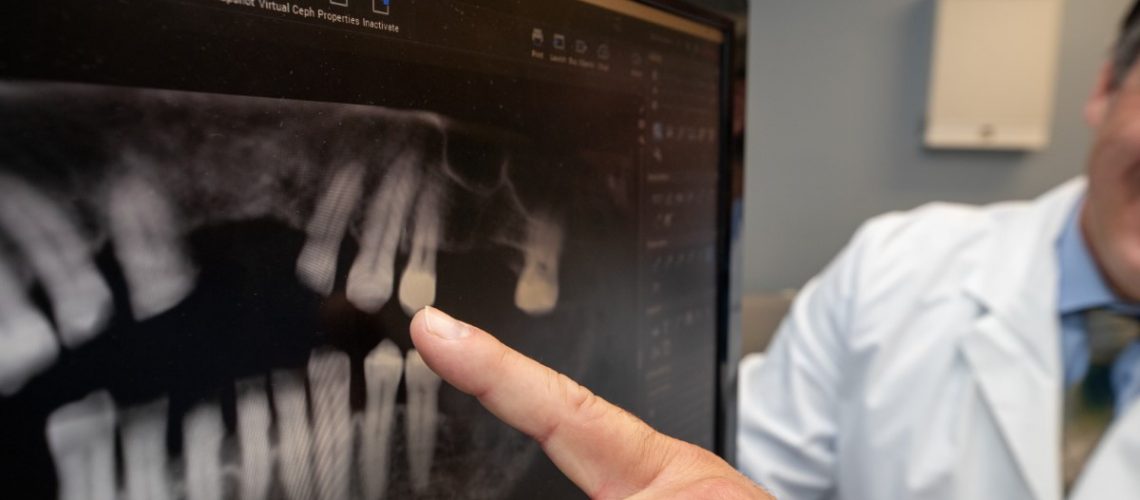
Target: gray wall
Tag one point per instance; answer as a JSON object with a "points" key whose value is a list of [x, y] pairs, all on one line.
{"points": [[836, 98]]}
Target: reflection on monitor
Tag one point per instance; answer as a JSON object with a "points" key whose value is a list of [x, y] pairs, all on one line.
{"points": [[218, 216]]}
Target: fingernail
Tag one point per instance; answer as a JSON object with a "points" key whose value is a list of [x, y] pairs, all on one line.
{"points": [[443, 326]]}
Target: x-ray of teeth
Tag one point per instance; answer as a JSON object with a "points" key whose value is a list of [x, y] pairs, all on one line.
{"points": [[245, 236], [294, 436], [417, 284], [371, 279], [317, 264], [203, 434], [27, 343], [422, 418], [332, 424], [537, 289], [383, 369], [82, 440], [53, 246], [253, 426], [148, 244], [144, 452]]}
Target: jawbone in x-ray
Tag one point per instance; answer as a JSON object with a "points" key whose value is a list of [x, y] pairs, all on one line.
{"points": [[206, 296]]}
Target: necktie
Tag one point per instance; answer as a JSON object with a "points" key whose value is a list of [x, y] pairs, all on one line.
{"points": [[1090, 404]]}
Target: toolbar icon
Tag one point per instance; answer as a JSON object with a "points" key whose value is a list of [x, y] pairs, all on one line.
{"points": [[339, 3], [581, 46], [604, 51], [559, 41], [381, 6], [537, 38]]}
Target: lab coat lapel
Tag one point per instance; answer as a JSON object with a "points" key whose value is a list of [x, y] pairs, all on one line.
{"points": [[1112, 472], [1013, 348], [1023, 397]]}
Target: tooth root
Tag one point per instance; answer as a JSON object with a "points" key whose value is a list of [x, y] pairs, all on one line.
{"points": [[203, 432], [382, 371], [27, 343], [81, 437], [144, 452], [316, 266], [537, 290], [372, 274], [294, 438], [60, 257], [332, 423], [417, 284], [147, 241], [253, 423], [422, 418]]}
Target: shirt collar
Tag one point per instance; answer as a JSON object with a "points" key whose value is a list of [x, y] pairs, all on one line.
{"points": [[1082, 286]]}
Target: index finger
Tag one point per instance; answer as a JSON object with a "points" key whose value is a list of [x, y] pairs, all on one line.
{"points": [[603, 449]]}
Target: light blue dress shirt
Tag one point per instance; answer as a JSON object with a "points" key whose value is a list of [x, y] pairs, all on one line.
{"points": [[1082, 287]]}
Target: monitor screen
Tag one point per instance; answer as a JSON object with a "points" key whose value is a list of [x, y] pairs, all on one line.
{"points": [[218, 216]]}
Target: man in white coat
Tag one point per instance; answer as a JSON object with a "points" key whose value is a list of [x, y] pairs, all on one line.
{"points": [[957, 352], [950, 352]]}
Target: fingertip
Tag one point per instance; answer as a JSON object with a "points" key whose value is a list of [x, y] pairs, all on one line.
{"points": [[430, 325], [448, 346], [418, 328]]}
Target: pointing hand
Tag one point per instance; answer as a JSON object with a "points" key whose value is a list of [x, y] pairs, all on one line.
{"points": [[603, 449]]}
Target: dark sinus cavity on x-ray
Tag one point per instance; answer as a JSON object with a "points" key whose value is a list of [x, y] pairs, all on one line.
{"points": [[207, 296]]}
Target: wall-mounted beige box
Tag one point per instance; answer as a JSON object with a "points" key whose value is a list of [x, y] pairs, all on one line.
{"points": [[993, 74]]}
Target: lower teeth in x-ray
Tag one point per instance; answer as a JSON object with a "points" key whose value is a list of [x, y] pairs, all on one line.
{"points": [[382, 371], [203, 435], [144, 452], [82, 440], [316, 460]]}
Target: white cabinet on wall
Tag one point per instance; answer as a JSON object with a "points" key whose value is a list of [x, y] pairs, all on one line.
{"points": [[993, 74]]}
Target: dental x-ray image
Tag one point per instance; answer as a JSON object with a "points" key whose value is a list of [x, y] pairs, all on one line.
{"points": [[206, 296]]}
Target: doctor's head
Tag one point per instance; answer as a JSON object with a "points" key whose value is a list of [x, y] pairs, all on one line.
{"points": [[1111, 217]]}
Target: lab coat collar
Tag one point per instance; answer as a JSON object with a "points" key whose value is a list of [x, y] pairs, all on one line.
{"points": [[1014, 346]]}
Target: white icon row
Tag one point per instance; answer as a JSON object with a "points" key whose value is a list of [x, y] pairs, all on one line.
{"points": [[378, 6], [559, 42]]}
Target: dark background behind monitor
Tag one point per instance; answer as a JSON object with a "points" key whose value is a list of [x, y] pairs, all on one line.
{"points": [[630, 146]]}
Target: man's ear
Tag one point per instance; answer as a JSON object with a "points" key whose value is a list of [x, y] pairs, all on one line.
{"points": [[1096, 107]]}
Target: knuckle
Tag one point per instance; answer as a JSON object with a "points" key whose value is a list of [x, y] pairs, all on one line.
{"points": [[581, 400]]}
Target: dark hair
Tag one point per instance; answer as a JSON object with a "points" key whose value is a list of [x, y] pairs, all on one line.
{"points": [[1127, 47]]}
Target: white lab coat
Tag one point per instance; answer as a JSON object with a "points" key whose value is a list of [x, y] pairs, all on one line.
{"points": [[925, 362]]}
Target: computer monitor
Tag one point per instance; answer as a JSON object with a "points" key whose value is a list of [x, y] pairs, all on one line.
{"points": [[218, 216]]}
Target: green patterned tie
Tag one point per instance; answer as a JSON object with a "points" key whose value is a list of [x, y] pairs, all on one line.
{"points": [[1090, 404]]}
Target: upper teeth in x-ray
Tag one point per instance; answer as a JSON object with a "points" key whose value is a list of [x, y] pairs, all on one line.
{"points": [[166, 164], [82, 438], [148, 244], [537, 290], [27, 345], [372, 275], [50, 242]]}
